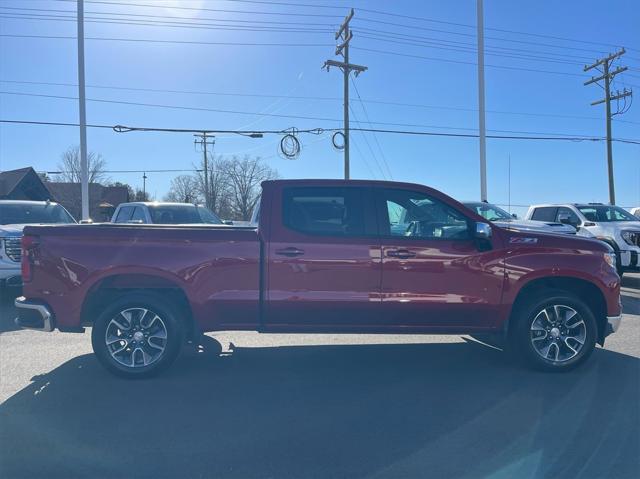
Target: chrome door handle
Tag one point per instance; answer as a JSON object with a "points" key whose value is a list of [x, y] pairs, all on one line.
{"points": [[400, 253], [291, 252]]}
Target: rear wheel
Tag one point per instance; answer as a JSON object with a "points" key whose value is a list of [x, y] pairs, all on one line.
{"points": [[137, 336], [554, 331]]}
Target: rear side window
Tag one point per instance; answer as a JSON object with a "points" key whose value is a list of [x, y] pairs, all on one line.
{"points": [[324, 211], [546, 213], [124, 214]]}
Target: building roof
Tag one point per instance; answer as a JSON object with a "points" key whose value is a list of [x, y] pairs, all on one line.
{"points": [[23, 183]]}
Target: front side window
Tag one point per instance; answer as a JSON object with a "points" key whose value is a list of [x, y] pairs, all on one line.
{"points": [[324, 211], [605, 213], [567, 216], [124, 214], [415, 215], [489, 212]]}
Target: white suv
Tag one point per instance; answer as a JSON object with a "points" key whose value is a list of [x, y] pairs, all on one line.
{"points": [[14, 215], [611, 224]]}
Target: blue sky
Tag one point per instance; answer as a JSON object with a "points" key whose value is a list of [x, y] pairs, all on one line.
{"points": [[540, 97]]}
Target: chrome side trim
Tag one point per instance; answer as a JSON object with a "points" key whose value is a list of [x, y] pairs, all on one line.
{"points": [[45, 313]]}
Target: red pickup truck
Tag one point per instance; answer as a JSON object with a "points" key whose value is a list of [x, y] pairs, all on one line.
{"points": [[322, 256]]}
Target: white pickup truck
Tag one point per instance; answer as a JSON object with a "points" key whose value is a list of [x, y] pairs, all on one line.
{"points": [[14, 215], [611, 224], [154, 212]]}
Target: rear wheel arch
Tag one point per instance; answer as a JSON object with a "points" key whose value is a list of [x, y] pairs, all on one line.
{"points": [[585, 290], [110, 288]]}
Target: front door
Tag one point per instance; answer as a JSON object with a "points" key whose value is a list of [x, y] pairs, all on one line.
{"points": [[323, 260], [434, 276]]}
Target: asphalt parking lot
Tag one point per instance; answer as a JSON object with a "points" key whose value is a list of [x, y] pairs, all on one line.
{"points": [[245, 405]]}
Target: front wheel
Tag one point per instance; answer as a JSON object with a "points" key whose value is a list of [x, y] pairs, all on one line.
{"points": [[137, 336], [554, 331]]}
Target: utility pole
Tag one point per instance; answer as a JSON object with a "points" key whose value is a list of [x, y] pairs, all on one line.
{"points": [[481, 119], [607, 75], [84, 167], [204, 143], [345, 34], [144, 186]]}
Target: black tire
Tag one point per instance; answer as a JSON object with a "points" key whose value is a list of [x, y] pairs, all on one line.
{"points": [[147, 348], [529, 343]]}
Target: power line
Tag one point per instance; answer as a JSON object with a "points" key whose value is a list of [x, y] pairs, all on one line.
{"points": [[144, 40], [461, 62], [312, 98], [186, 42], [146, 15], [275, 115], [203, 9], [319, 131], [375, 137], [538, 35], [155, 23], [364, 137]]}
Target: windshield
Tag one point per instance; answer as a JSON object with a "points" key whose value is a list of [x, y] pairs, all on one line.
{"points": [[605, 213], [25, 213], [182, 214], [489, 211]]}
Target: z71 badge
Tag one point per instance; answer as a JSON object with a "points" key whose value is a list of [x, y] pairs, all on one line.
{"points": [[523, 240]]}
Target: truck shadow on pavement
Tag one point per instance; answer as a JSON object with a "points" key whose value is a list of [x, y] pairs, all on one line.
{"points": [[414, 410]]}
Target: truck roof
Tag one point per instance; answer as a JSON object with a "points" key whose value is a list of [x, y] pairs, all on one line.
{"points": [[27, 202], [156, 203]]}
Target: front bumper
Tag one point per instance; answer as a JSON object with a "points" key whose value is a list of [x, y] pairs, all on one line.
{"points": [[32, 315], [629, 259], [613, 323], [10, 276]]}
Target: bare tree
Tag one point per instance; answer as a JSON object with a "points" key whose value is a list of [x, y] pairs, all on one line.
{"points": [[70, 168], [183, 189], [219, 192], [244, 177]]}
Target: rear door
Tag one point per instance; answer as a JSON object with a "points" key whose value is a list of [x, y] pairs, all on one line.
{"points": [[323, 259], [434, 274]]}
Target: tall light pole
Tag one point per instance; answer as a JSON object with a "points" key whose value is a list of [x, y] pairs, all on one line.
{"points": [[84, 167], [481, 118]]}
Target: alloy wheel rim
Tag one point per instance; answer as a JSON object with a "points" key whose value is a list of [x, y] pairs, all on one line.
{"points": [[558, 333], [136, 337]]}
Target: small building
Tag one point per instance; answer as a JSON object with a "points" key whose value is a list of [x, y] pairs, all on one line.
{"points": [[23, 184], [102, 199], [26, 184]]}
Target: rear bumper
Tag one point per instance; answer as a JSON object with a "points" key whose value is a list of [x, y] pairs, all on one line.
{"points": [[613, 323], [32, 315]]}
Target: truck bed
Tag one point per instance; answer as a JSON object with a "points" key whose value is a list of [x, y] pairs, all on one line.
{"points": [[217, 267]]}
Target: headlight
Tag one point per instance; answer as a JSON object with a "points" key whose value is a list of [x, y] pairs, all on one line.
{"points": [[610, 259], [631, 237]]}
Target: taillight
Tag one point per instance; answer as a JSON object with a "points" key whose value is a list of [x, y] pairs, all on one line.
{"points": [[29, 244]]}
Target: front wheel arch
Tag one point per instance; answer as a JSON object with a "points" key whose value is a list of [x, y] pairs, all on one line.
{"points": [[585, 290]]}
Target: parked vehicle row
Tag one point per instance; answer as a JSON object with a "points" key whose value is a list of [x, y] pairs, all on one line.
{"points": [[324, 256], [611, 224]]}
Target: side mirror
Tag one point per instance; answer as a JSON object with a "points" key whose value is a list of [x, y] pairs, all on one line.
{"points": [[227, 222], [514, 216], [483, 231]]}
